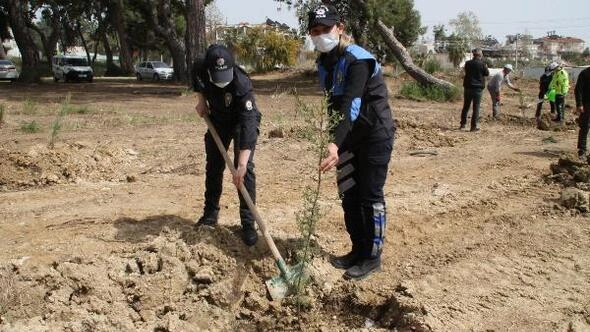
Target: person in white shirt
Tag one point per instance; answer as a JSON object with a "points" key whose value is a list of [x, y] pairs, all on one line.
{"points": [[495, 86]]}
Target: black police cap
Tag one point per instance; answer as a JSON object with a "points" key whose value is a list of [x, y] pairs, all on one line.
{"points": [[220, 63], [323, 15]]}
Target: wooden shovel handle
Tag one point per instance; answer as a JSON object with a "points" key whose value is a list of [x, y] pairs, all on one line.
{"points": [[243, 191]]}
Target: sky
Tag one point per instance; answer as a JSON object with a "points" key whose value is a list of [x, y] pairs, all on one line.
{"points": [[497, 17]]}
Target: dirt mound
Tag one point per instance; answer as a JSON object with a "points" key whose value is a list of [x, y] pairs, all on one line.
{"points": [[72, 162], [188, 282], [571, 171], [426, 135]]}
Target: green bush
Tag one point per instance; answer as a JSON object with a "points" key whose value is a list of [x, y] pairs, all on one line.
{"points": [[432, 66], [416, 91], [30, 127], [263, 50]]}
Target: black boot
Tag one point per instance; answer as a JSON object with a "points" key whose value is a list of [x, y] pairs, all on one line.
{"points": [[363, 268], [249, 235], [345, 262], [209, 218]]}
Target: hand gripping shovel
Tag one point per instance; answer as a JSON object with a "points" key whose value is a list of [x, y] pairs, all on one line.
{"points": [[281, 285]]}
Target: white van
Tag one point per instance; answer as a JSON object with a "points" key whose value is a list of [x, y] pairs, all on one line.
{"points": [[71, 67]]}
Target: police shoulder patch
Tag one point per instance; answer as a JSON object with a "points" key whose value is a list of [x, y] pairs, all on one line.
{"points": [[249, 105]]}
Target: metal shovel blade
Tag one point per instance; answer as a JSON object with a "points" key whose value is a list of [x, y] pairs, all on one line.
{"points": [[290, 279]]}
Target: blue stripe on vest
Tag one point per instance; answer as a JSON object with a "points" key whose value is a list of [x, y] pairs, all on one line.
{"points": [[340, 72], [355, 108]]}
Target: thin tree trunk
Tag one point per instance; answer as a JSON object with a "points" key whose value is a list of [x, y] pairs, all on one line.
{"points": [[406, 61], [18, 17], [403, 56], [2, 51], [195, 33], [84, 44], [124, 49]]}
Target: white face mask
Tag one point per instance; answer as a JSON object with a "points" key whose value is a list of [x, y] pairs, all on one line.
{"points": [[326, 42], [222, 84]]}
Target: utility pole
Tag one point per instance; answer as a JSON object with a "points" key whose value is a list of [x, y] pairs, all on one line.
{"points": [[516, 38]]}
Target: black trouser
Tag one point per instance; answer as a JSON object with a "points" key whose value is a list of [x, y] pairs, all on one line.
{"points": [[560, 107], [584, 123], [361, 177], [540, 105], [471, 95], [214, 173]]}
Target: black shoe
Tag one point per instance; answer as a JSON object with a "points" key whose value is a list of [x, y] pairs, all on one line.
{"points": [[249, 236], [363, 269], [344, 262], [461, 127], [208, 219], [474, 129], [556, 120]]}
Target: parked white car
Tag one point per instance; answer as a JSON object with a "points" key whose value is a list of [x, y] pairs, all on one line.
{"points": [[71, 67], [8, 71], [154, 70]]}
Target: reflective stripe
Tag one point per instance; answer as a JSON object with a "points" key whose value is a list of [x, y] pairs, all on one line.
{"points": [[379, 231], [355, 108], [345, 171], [346, 185], [345, 157]]}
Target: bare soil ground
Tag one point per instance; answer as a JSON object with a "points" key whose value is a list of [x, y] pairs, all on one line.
{"points": [[96, 233]]}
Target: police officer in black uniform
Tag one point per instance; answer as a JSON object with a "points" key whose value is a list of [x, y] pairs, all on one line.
{"points": [[224, 91], [363, 138]]}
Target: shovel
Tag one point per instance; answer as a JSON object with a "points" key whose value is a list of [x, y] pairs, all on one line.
{"points": [[279, 286]]}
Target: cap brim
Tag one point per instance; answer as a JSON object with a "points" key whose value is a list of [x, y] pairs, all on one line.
{"points": [[222, 76], [323, 21]]}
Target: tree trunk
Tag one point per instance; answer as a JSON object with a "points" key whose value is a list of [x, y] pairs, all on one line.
{"points": [[49, 43], [195, 33], [406, 61], [125, 51], [18, 17], [166, 29], [403, 56], [84, 44], [107, 48]]}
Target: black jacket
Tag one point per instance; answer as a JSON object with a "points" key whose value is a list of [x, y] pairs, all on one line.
{"points": [[231, 106], [475, 71], [582, 90]]}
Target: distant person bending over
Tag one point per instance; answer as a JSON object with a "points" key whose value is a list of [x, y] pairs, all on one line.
{"points": [[561, 84], [495, 86], [473, 84], [582, 92], [224, 91], [544, 82], [363, 138]]}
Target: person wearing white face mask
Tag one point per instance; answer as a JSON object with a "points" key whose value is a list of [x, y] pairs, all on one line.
{"points": [[363, 138], [224, 92]]}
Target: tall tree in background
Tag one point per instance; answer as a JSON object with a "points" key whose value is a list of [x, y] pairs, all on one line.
{"points": [[19, 19], [466, 26], [161, 16], [49, 26], [117, 7], [195, 32]]}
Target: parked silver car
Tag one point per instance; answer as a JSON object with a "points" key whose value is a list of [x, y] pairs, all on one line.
{"points": [[8, 71], [154, 70]]}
